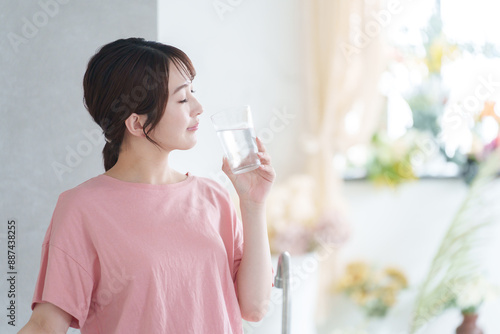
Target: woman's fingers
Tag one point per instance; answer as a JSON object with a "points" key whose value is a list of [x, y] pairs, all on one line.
{"points": [[264, 158], [267, 172], [260, 146], [225, 166]]}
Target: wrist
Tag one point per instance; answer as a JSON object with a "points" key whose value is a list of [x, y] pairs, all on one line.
{"points": [[252, 205]]}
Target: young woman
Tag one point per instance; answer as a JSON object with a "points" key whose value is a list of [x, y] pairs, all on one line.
{"points": [[143, 248]]}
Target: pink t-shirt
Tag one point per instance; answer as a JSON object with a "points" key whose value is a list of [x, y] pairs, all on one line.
{"points": [[125, 257]]}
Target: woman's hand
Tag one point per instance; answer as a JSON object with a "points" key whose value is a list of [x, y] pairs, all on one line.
{"points": [[253, 186]]}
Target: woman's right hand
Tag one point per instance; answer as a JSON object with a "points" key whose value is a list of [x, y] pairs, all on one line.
{"points": [[47, 319]]}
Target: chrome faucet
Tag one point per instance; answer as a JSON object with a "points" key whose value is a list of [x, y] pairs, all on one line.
{"points": [[282, 281]]}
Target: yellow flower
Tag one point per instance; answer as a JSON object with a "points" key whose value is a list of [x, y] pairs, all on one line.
{"points": [[439, 49], [361, 297], [398, 277], [374, 290], [344, 283], [356, 275], [358, 272], [434, 57], [388, 296]]}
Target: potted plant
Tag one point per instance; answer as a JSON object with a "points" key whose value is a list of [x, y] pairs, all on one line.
{"points": [[468, 299]]}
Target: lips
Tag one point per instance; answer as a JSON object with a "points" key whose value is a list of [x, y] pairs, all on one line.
{"points": [[193, 128]]}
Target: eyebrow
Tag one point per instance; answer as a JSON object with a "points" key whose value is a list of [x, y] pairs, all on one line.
{"points": [[180, 87]]}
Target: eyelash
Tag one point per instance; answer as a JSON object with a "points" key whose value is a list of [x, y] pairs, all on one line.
{"points": [[185, 100]]}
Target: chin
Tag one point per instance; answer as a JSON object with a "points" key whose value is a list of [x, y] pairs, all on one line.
{"points": [[188, 146]]}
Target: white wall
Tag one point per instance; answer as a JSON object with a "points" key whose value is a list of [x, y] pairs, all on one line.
{"points": [[249, 54]]}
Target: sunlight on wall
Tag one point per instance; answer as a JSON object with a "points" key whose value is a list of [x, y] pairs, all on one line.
{"points": [[471, 21]]}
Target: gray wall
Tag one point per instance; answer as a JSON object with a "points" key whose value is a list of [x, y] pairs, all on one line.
{"points": [[43, 118]]}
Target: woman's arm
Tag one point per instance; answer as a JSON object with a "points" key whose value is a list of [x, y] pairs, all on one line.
{"points": [[47, 319], [254, 275]]}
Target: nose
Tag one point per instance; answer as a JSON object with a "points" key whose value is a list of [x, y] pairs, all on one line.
{"points": [[197, 108]]}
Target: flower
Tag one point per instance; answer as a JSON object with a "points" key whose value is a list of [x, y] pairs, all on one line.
{"points": [[485, 138], [472, 294], [482, 138], [373, 289], [391, 160], [330, 229], [397, 277], [356, 274], [489, 111], [295, 222], [437, 51], [294, 238]]}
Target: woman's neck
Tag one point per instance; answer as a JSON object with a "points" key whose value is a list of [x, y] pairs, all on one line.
{"points": [[139, 169]]}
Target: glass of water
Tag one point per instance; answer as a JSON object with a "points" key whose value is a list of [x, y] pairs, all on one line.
{"points": [[234, 127]]}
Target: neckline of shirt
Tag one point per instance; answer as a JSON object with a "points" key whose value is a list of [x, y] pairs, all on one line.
{"points": [[140, 185]]}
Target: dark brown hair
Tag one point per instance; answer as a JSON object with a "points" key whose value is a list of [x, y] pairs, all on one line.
{"points": [[129, 76]]}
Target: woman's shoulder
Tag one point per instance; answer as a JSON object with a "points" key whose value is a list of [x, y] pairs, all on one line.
{"points": [[212, 186], [82, 191]]}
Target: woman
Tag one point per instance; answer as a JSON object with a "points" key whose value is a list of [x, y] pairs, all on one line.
{"points": [[143, 248]]}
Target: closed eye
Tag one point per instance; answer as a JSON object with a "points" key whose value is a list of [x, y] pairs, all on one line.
{"points": [[185, 100]]}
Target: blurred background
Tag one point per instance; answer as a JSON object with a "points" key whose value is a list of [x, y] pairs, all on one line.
{"points": [[380, 117]]}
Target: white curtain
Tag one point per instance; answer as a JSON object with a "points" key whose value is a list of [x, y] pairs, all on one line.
{"points": [[343, 68]]}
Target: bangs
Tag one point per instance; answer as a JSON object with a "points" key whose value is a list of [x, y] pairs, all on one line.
{"points": [[185, 67]]}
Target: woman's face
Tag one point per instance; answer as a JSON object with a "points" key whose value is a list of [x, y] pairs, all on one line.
{"points": [[177, 128]]}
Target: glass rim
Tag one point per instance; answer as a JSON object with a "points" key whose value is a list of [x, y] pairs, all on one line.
{"points": [[229, 110]]}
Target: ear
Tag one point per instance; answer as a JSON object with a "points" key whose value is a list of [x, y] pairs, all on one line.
{"points": [[135, 124]]}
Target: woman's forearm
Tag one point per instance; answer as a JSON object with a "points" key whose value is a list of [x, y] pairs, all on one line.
{"points": [[47, 319], [254, 276]]}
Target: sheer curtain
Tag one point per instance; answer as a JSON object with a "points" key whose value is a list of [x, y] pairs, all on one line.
{"points": [[344, 61]]}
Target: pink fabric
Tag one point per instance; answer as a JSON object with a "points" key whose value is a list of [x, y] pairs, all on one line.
{"points": [[124, 257]]}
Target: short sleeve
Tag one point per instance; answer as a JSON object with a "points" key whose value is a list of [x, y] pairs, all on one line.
{"points": [[64, 283], [65, 278]]}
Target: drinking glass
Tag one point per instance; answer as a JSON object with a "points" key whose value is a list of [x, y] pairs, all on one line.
{"points": [[234, 127]]}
